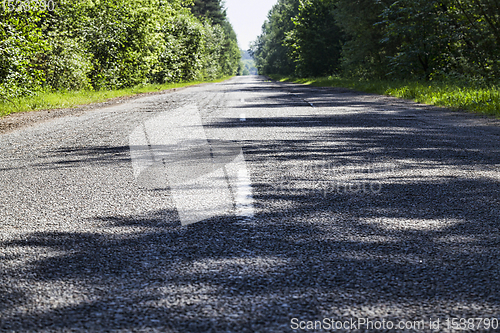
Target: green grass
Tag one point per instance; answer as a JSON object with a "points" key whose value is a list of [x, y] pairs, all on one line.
{"points": [[69, 99], [450, 95]]}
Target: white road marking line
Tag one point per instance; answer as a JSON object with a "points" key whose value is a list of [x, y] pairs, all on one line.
{"points": [[244, 198], [241, 186], [242, 117]]}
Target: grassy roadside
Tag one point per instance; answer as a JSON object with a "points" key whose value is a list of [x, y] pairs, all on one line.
{"points": [[68, 99], [453, 96]]}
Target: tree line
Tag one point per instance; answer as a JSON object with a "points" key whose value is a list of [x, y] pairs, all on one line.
{"points": [[382, 39], [247, 64], [112, 44]]}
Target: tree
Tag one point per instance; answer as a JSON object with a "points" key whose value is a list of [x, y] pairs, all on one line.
{"points": [[271, 54], [363, 54], [425, 42], [477, 23], [110, 44], [215, 13], [21, 51], [316, 39], [211, 9]]}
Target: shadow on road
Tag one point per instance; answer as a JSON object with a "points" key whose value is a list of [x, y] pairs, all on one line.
{"points": [[422, 247]]}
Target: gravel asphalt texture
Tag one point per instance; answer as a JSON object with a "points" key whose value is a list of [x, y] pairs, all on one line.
{"points": [[365, 207]]}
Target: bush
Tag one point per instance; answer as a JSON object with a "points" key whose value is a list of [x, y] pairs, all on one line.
{"points": [[111, 44], [68, 65]]}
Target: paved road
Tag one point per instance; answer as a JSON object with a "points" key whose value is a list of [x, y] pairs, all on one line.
{"points": [[308, 203]]}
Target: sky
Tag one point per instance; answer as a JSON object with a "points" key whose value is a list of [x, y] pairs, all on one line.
{"points": [[247, 17]]}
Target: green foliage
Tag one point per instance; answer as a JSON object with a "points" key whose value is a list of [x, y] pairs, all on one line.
{"points": [[231, 55], [421, 29], [67, 65], [211, 9], [363, 54], [316, 40], [214, 48], [113, 44], [182, 58], [271, 53], [21, 49], [444, 40], [214, 12]]}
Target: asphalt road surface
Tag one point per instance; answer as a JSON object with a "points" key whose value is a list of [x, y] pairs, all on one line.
{"points": [[251, 206]]}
